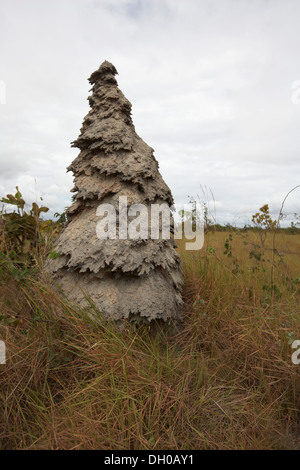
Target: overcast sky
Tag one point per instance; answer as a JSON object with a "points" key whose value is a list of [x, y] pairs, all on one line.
{"points": [[214, 87]]}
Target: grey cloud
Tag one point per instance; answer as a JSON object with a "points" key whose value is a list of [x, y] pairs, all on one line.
{"points": [[209, 81]]}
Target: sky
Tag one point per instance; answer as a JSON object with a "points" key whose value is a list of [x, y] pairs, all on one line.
{"points": [[214, 87]]}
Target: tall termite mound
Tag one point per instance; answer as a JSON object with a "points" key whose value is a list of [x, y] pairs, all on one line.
{"points": [[130, 278]]}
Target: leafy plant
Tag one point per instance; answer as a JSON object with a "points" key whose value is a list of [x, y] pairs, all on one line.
{"points": [[20, 230], [263, 222]]}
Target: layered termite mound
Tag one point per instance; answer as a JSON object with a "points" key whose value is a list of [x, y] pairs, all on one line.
{"points": [[125, 277]]}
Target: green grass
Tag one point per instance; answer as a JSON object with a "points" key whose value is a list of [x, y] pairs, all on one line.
{"points": [[224, 380]]}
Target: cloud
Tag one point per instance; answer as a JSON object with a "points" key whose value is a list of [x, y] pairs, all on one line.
{"points": [[210, 83]]}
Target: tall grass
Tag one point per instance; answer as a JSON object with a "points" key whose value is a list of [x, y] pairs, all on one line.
{"points": [[224, 379]]}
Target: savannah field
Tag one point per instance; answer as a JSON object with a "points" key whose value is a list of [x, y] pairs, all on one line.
{"points": [[222, 379]]}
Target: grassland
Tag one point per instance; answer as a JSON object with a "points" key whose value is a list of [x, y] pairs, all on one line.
{"points": [[223, 379]]}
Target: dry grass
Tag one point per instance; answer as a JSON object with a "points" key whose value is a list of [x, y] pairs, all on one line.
{"points": [[225, 380]]}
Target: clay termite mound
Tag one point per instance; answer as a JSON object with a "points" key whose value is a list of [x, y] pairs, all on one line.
{"points": [[135, 279]]}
